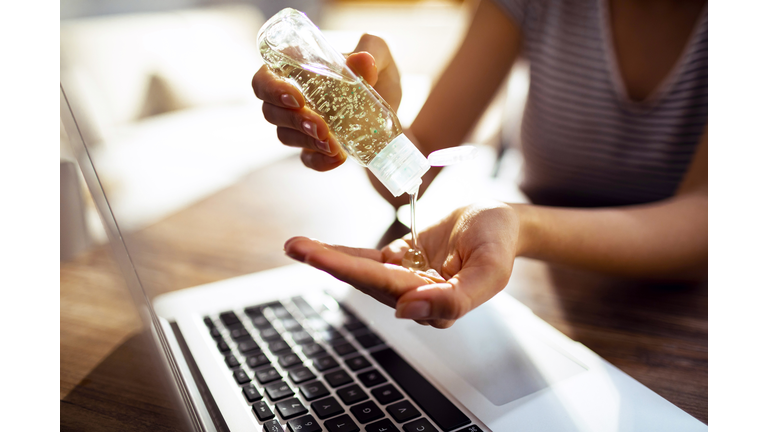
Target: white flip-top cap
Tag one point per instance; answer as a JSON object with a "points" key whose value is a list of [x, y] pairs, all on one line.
{"points": [[400, 166]]}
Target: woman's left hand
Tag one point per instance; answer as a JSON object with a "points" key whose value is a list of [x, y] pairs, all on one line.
{"points": [[471, 253]]}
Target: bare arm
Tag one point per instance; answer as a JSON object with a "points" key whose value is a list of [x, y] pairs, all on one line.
{"points": [[662, 240]]}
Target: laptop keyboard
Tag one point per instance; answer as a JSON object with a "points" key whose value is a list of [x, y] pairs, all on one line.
{"points": [[307, 369]]}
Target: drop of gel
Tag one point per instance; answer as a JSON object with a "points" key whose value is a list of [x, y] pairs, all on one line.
{"points": [[414, 259]]}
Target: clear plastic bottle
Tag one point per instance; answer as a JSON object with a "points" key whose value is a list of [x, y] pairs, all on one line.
{"points": [[362, 121]]}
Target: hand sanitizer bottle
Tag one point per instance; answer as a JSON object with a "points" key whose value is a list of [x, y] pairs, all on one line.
{"points": [[362, 121]]}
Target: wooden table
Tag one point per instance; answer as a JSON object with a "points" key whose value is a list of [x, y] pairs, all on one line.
{"points": [[655, 333]]}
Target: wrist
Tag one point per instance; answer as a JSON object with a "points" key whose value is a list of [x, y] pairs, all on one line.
{"points": [[525, 230]]}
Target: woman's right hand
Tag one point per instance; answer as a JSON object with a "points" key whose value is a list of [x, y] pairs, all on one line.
{"points": [[299, 126]]}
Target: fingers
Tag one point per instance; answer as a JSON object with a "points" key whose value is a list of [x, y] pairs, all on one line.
{"points": [[387, 81], [275, 91], [304, 120], [364, 65]]}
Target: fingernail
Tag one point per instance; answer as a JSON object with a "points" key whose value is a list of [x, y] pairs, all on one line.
{"points": [[309, 128], [289, 100], [294, 256], [323, 146], [331, 159], [414, 310]]}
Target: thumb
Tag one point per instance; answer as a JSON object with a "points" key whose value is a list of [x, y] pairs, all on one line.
{"points": [[363, 64]]}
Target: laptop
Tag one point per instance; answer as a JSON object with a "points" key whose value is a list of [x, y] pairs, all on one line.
{"points": [[293, 349]]}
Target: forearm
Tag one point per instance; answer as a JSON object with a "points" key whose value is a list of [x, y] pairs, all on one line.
{"points": [[664, 240]]}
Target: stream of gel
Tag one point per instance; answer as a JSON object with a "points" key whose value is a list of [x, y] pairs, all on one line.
{"points": [[414, 259]]}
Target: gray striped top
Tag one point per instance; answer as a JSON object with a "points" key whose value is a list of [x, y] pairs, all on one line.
{"points": [[584, 141]]}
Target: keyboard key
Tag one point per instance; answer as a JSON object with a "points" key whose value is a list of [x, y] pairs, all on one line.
{"points": [[357, 363], [301, 374], [239, 334], [328, 407], [318, 324], [241, 377], [278, 390], [231, 361], [215, 333], [267, 375], [209, 322], [330, 335], [256, 361], [230, 320], [301, 337], [278, 345], [269, 334], [403, 411], [442, 411], [288, 360], [222, 346], [352, 324], [313, 390], [304, 307], [471, 428], [260, 322], [352, 394], [420, 425], [386, 394], [280, 311], [325, 363], [313, 350], [367, 412], [343, 349], [251, 393], [338, 378], [341, 424], [254, 311], [273, 426], [368, 339], [371, 378], [291, 324], [290, 408], [248, 346], [262, 411], [381, 426], [304, 424]]}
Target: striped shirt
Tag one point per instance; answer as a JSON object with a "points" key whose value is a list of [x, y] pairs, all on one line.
{"points": [[584, 141]]}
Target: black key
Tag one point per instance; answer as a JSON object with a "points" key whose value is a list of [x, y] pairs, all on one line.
{"points": [[301, 337], [313, 390], [367, 412], [248, 346], [371, 378], [304, 307], [368, 339], [471, 428], [299, 375], [239, 334], [262, 411], [341, 424], [278, 390], [381, 426], [260, 322], [352, 324], [304, 424], [313, 350], [222, 346], [291, 324], [403, 411], [330, 335], [216, 334], [278, 345], [338, 378], [269, 334], [230, 320], [273, 426], [357, 363], [280, 311], [442, 411], [254, 311], [318, 324], [251, 393], [257, 360], [386, 394], [352, 394], [231, 361], [241, 377], [288, 360], [325, 363], [267, 375], [290, 408], [209, 322], [328, 407], [420, 425], [343, 349]]}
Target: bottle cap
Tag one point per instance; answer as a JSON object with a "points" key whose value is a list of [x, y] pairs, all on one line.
{"points": [[399, 166]]}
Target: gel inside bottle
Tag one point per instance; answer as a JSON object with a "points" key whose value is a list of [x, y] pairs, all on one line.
{"points": [[361, 120]]}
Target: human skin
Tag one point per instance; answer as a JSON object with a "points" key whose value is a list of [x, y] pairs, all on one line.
{"points": [[660, 240]]}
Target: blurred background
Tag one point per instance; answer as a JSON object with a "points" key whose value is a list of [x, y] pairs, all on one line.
{"points": [[170, 117]]}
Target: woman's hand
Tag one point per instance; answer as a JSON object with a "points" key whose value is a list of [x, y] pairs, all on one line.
{"points": [[471, 251], [298, 126]]}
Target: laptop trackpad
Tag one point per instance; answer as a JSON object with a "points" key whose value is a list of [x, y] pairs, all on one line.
{"points": [[502, 362]]}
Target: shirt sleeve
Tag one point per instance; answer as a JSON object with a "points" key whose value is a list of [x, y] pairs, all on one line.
{"points": [[516, 9]]}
